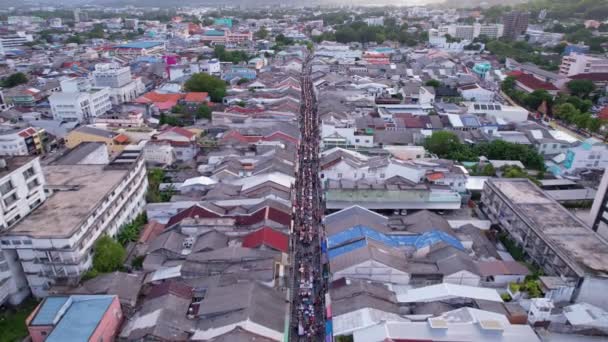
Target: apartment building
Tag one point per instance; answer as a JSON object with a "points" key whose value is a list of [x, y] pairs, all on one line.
{"points": [[552, 237], [15, 40], [136, 49], [22, 190], [575, 63], [79, 101], [18, 141], [54, 243], [470, 32], [123, 87], [515, 23]]}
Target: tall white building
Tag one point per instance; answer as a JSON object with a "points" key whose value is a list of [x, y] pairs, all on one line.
{"points": [[15, 40], [79, 101], [22, 190], [54, 243], [576, 63], [123, 87], [470, 32]]}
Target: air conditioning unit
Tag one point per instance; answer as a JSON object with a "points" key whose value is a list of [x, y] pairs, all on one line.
{"points": [[188, 242]]}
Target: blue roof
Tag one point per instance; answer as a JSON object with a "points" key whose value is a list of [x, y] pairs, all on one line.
{"points": [[48, 310], [343, 242], [214, 33], [81, 318], [139, 45]]}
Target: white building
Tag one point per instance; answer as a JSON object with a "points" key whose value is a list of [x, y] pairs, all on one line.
{"points": [[470, 32], [344, 134], [78, 101], [55, 23], [576, 63], [15, 40], [339, 163], [123, 87], [211, 66], [54, 243], [22, 190], [474, 92], [374, 21], [499, 111], [588, 154], [159, 153]]}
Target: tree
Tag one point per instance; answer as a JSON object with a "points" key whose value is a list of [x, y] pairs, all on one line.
{"points": [[207, 83], [508, 84], [242, 81], [536, 98], [442, 143], [514, 172], [262, 33], [109, 255], [594, 125], [581, 88], [433, 83], [566, 112], [14, 80], [203, 112]]}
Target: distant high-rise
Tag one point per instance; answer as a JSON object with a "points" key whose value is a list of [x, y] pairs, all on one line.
{"points": [[77, 15], [515, 23]]}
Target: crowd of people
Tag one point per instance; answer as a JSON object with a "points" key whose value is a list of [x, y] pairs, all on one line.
{"points": [[308, 302]]}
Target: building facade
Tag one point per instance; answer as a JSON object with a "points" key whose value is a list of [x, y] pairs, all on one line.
{"points": [[54, 244], [575, 63], [22, 190], [552, 237], [515, 23]]}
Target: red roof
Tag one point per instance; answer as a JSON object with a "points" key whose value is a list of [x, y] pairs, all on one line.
{"points": [[121, 139], [181, 131], [268, 237], [597, 76], [151, 230], [603, 114], [500, 267], [533, 83], [196, 97], [435, 176]]}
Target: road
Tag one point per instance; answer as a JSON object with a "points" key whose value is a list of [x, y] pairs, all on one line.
{"points": [[308, 285]]}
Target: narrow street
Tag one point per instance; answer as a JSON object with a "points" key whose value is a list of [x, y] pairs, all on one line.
{"points": [[309, 286]]}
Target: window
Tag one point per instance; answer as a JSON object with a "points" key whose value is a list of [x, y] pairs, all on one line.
{"points": [[382, 175], [43, 333], [11, 200], [5, 242], [339, 175], [29, 173], [6, 187]]}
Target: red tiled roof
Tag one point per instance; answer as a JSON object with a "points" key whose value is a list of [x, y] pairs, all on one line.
{"points": [[280, 136], [196, 97], [597, 76], [534, 83], [121, 139], [268, 237], [181, 131], [151, 230], [435, 176]]}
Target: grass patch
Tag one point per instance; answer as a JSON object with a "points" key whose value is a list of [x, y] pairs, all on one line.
{"points": [[12, 321]]}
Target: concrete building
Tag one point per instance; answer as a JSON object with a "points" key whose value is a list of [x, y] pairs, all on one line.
{"points": [[115, 142], [552, 237], [575, 63], [54, 243], [598, 218], [470, 32], [587, 154], [123, 88], [76, 318], [21, 188], [22, 141], [136, 49], [79, 101], [515, 23], [15, 40]]}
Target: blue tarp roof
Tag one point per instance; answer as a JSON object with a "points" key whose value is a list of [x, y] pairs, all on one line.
{"points": [[343, 242]]}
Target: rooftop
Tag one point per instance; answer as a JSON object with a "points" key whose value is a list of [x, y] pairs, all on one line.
{"points": [[13, 163], [139, 45], [64, 211], [582, 248], [75, 317]]}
